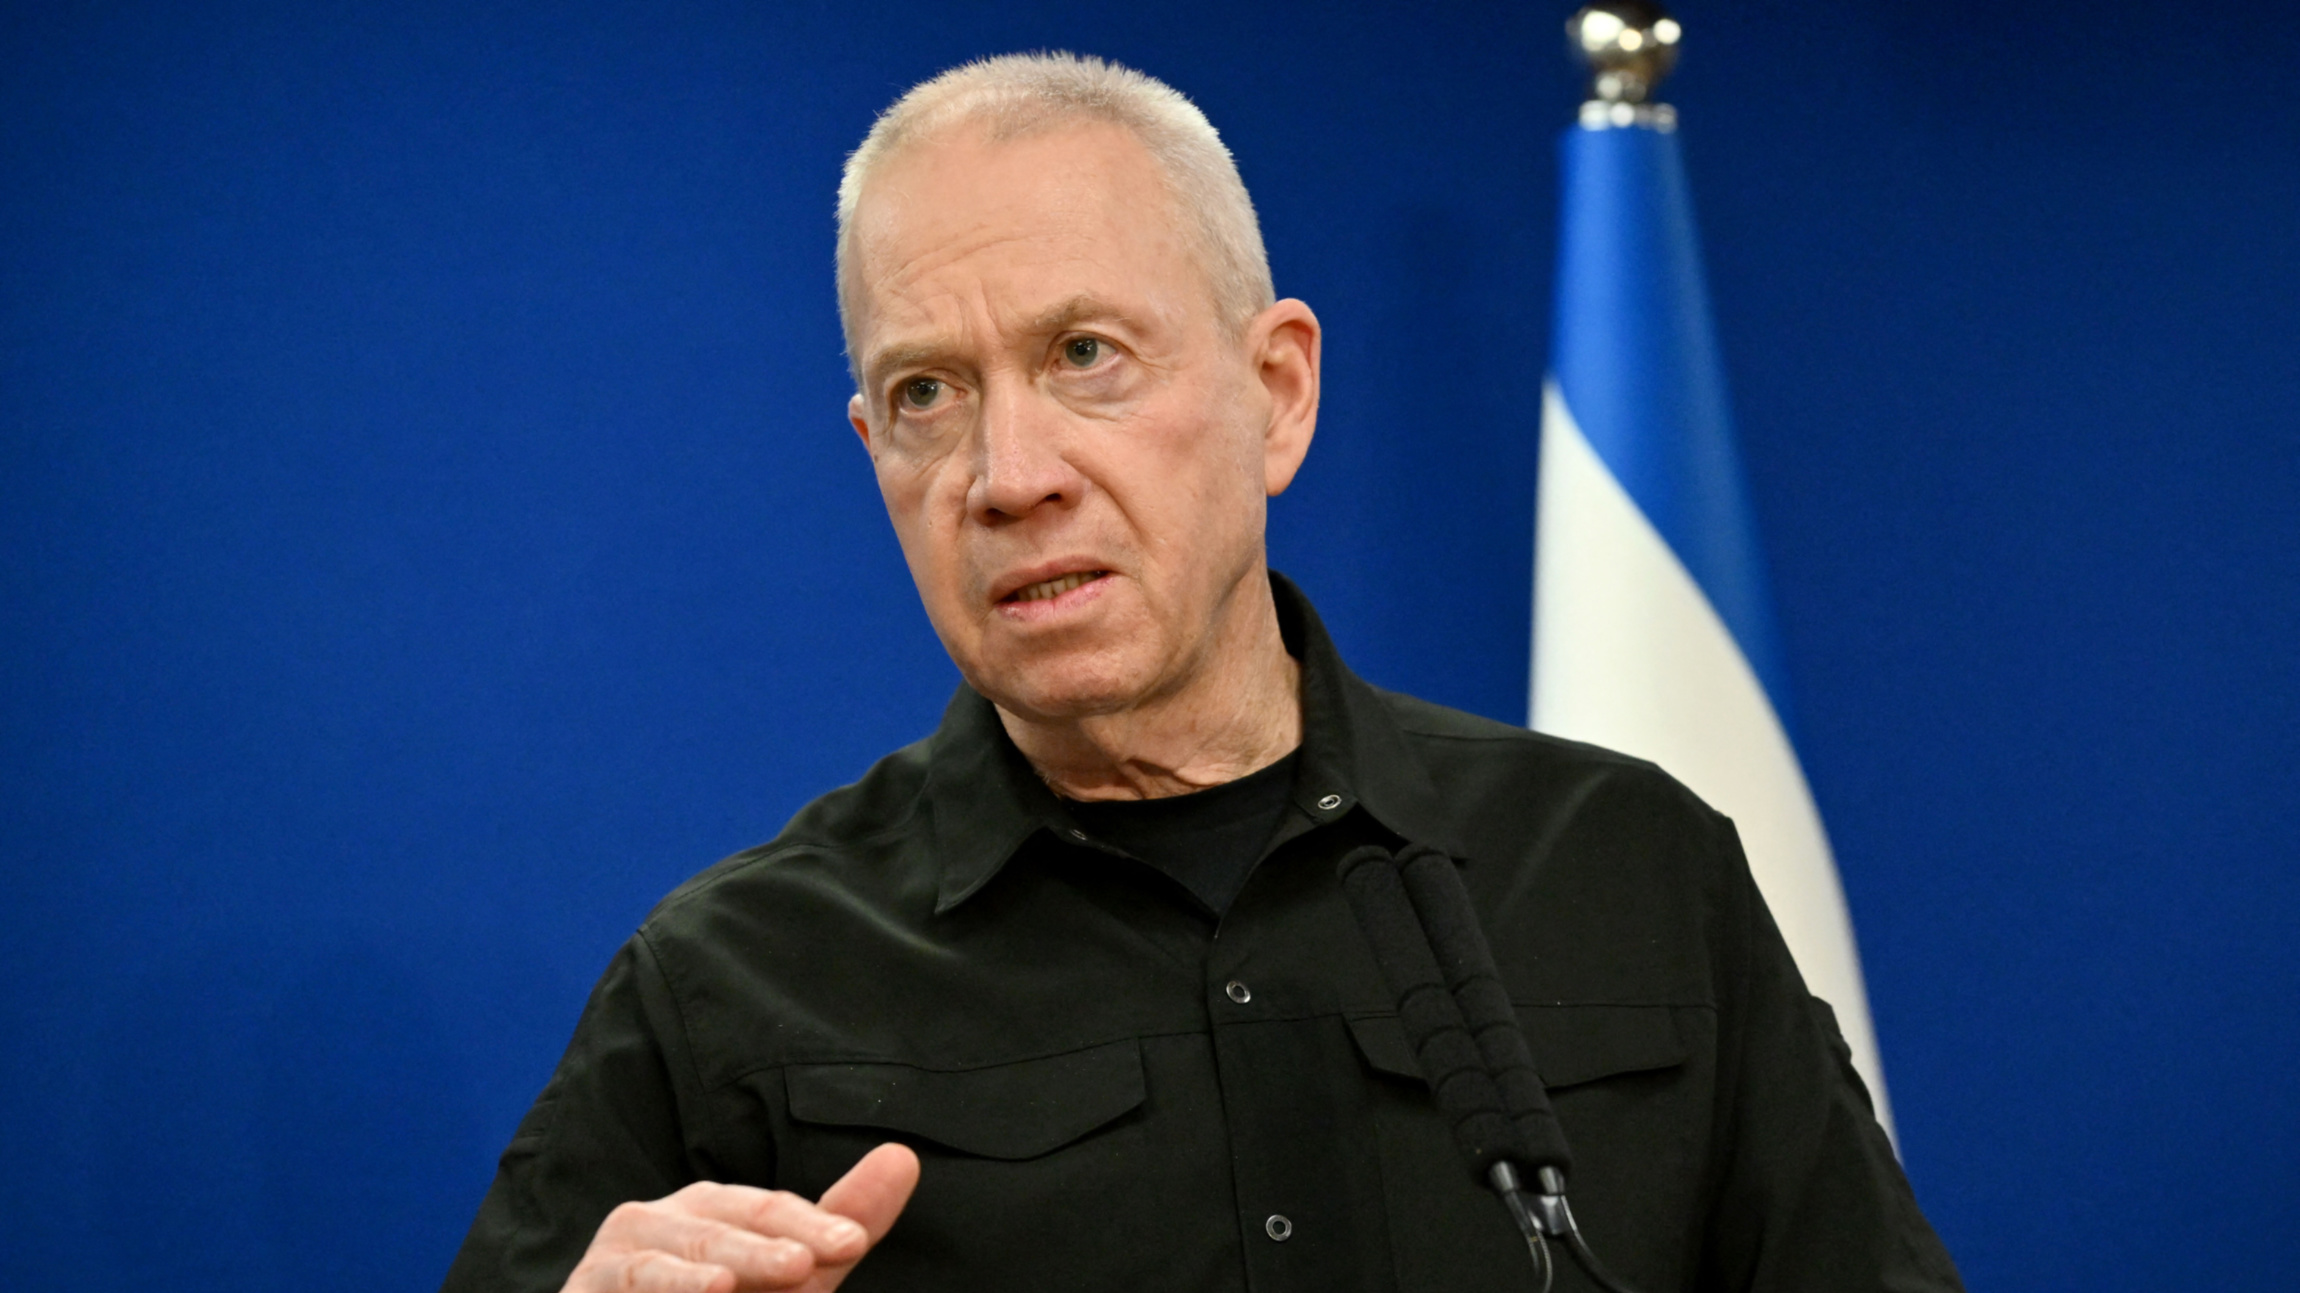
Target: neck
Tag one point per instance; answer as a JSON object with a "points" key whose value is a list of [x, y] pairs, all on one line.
{"points": [[1239, 712]]}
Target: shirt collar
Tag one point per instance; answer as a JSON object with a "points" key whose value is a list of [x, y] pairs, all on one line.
{"points": [[986, 800]]}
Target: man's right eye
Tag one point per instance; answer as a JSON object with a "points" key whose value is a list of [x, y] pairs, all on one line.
{"points": [[921, 392]]}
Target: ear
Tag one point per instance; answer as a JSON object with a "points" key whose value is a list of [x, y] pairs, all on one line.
{"points": [[1283, 342], [858, 414]]}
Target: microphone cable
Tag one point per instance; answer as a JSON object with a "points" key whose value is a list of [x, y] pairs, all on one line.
{"points": [[1416, 916]]}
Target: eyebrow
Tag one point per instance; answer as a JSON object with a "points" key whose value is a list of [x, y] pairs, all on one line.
{"points": [[887, 361], [1078, 309], [1060, 317]]}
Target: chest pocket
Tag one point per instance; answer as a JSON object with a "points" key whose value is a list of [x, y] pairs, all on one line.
{"points": [[1030, 1171], [1447, 1234], [1570, 1044], [1005, 1111]]}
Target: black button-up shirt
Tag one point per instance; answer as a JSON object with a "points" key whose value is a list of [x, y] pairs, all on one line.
{"points": [[1110, 1088]]}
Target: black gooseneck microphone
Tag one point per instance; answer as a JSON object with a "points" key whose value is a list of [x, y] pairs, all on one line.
{"points": [[1416, 916]]}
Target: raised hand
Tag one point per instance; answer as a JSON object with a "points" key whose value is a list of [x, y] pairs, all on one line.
{"points": [[710, 1238]]}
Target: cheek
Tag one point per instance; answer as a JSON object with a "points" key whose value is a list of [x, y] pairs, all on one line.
{"points": [[926, 506], [1222, 462]]}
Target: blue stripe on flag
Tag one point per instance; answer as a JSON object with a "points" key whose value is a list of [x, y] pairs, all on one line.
{"points": [[1635, 356]]}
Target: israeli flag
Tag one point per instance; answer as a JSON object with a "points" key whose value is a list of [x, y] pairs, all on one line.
{"points": [[1652, 627]]}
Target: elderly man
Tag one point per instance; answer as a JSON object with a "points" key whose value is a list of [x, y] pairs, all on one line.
{"points": [[1068, 995]]}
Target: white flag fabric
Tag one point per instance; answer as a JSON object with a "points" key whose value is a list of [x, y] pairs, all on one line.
{"points": [[1652, 630]]}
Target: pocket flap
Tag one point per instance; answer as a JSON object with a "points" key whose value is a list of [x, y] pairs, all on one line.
{"points": [[1570, 1044], [1382, 1041], [1011, 1111]]}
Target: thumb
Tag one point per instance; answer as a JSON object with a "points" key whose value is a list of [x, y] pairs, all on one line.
{"points": [[874, 1190]]}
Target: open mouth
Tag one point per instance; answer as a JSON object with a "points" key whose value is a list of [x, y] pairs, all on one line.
{"points": [[1046, 589]]}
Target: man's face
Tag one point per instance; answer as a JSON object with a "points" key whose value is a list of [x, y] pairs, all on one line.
{"points": [[1074, 452]]}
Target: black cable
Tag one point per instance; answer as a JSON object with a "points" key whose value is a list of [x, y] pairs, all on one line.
{"points": [[1539, 1247], [1590, 1266]]}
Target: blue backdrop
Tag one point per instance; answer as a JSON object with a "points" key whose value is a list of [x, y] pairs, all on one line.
{"points": [[430, 532]]}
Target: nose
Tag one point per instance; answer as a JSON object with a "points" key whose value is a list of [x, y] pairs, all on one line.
{"points": [[1021, 463]]}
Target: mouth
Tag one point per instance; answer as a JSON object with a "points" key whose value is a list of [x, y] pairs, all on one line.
{"points": [[1048, 589]]}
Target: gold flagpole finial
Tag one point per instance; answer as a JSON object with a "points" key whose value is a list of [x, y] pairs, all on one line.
{"points": [[1628, 45]]}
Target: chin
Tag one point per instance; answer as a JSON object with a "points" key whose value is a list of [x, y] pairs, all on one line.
{"points": [[1063, 688]]}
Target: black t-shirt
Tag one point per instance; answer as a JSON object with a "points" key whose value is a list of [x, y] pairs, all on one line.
{"points": [[1208, 840]]}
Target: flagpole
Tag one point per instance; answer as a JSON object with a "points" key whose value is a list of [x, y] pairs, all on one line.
{"points": [[1653, 629]]}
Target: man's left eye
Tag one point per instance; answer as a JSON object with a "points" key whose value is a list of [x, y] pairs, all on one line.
{"points": [[1082, 351]]}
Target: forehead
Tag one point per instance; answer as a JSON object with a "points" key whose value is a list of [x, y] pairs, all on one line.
{"points": [[966, 223]]}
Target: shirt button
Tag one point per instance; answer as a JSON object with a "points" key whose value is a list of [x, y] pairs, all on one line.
{"points": [[1241, 994], [1278, 1228], [1329, 803]]}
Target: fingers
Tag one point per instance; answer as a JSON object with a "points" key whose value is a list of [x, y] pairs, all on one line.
{"points": [[830, 1236], [711, 1238], [874, 1190], [649, 1272], [873, 1193], [715, 1239]]}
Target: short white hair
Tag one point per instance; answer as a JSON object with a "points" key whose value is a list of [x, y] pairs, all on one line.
{"points": [[1014, 95]]}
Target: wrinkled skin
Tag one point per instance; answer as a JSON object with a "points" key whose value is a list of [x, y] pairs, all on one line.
{"points": [[1048, 390]]}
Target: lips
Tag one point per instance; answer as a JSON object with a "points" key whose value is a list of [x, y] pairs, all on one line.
{"points": [[1048, 589]]}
